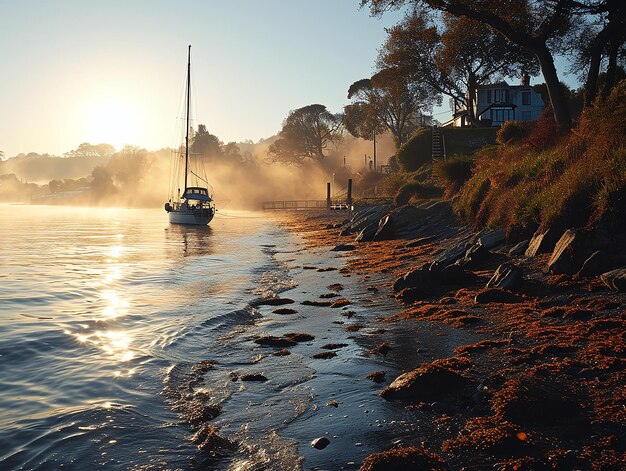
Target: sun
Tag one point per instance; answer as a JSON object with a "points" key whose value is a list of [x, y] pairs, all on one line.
{"points": [[113, 122]]}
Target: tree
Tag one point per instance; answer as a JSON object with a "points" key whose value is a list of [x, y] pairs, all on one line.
{"points": [[535, 26], [305, 135], [454, 58], [206, 144], [91, 150], [602, 36]]}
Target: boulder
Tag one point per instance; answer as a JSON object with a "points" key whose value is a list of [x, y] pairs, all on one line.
{"points": [[615, 279], [541, 242], [426, 383], [451, 255], [496, 295], [368, 233], [433, 278], [519, 248], [419, 241], [475, 255], [492, 239], [253, 377], [396, 221], [507, 276], [571, 251], [598, 262]]}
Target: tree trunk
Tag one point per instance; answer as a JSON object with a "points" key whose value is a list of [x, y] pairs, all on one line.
{"points": [[611, 69], [555, 92], [592, 76], [471, 94]]}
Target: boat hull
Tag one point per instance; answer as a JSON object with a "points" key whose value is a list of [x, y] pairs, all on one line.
{"points": [[191, 218]]}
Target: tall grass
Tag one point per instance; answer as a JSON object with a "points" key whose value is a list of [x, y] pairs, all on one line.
{"points": [[546, 178]]}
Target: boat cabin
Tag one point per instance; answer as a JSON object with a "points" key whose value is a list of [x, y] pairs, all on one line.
{"points": [[197, 193]]}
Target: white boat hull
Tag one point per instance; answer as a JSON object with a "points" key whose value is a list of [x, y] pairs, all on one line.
{"points": [[190, 217]]}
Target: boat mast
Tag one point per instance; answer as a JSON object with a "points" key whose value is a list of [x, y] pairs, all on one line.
{"points": [[187, 122]]}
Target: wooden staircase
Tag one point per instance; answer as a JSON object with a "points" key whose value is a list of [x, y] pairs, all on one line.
{"points": [[438, 150]]}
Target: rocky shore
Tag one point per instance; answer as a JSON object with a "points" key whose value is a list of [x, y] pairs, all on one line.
{"points": [[545, 389]]}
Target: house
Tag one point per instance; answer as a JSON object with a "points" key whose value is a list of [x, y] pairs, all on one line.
{"points": [[500, 102]]}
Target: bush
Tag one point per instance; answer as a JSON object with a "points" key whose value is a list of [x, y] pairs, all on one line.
{"points": [[415, 191], [452, 173], [416, 151], [572, 180], [513, 132]]}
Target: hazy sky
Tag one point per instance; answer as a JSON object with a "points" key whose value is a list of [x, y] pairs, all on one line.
{"points": [[113, 71]]}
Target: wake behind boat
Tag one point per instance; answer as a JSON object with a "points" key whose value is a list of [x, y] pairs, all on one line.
{"points": [[195, 205]]}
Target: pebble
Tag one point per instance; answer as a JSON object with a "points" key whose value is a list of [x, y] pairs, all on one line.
{"points": [[320, 443]]}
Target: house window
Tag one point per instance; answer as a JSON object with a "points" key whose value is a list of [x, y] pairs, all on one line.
{"points": [[489, 96], [500, 115], [525, 98], [506, 95]]}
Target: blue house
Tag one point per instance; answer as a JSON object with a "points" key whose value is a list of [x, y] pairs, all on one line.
{"points": [[500, 102]]}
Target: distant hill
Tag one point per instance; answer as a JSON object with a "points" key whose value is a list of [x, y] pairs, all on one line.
{"points": [[36, 168]]}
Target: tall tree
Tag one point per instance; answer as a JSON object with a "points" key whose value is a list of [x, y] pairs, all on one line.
{"points": [[205, 143], [390, 100], [454, 57], [305, 135], [535, 26]]}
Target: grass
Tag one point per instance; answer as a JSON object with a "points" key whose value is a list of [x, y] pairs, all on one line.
{"points": [[547, 179]]}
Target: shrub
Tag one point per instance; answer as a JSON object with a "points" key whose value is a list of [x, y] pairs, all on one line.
{"points": [[571, 180], [513, 132], [416, 151], [416, 190], [452, 173]]}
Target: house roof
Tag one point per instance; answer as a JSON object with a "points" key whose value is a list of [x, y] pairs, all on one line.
{"points": [[494, 85]]}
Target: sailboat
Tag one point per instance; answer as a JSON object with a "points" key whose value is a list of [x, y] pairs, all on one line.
{"points": [[195, 206]]}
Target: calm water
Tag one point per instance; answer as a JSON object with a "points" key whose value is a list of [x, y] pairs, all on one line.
{"points": [[98, 307], [106, 318]]}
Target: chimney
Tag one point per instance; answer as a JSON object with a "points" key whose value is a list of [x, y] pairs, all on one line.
{"points": [[525, 80]]}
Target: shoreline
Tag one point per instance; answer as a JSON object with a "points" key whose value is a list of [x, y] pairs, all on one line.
{"points": [[543, 389]]}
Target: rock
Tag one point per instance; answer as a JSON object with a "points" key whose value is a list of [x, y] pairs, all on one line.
{"points": [[571, 251], [507, 276], [451, 255], [209, 441], [282, 353], [492, 239], [300, 337], [275, 302], [343, 248], [316, 303], [272, 341], [284, 310], [615, 279], [475, 256], [541, 242], [377, 376], [368, 233], [403, 458], [430, 277], [324, 355], [598, 262], [332, 403], [396, 221], [381, 349], [496, 295], [253, 377], [340, 303], [419, 241], [428, 382], [320, 443], [519, 248], [334, 346]]}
